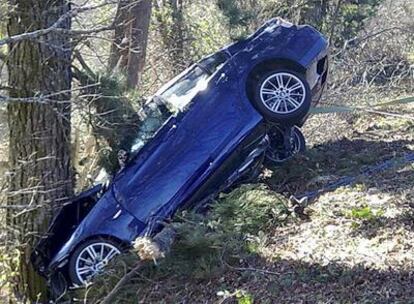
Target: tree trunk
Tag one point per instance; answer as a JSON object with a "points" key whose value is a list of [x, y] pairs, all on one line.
{"points": [[39, 144], [177, 38], [172, 31], [128, 50]]}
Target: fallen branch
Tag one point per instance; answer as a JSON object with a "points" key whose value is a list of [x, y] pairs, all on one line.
{"points": [[251, 269], [125, 279]]}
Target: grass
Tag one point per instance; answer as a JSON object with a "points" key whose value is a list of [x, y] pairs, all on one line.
{"points": [[364, 213]]}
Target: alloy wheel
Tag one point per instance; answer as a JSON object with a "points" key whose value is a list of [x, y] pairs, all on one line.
{"points": [[93, 259], [282, 93]]}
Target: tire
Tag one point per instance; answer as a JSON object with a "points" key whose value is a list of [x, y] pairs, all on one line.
{"points": [[282, 96], [79, 257], [275, 153]]}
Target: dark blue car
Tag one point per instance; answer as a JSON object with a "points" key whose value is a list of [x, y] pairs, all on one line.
{"points": [[205, 130]]}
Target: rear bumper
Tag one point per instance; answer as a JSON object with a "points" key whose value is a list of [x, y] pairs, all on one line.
{"points": [[319, 75]]}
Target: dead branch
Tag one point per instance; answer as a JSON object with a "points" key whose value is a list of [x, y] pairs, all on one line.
{"points": [[358, 40], [83, 63], [125, 279], [46, 99], [57, 29], [3, 56]]}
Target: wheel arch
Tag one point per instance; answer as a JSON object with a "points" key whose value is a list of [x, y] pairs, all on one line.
{"points": [[69, 268], [122, 243]]}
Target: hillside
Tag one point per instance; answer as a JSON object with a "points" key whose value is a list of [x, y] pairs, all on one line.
{"points": [[352, 244]]}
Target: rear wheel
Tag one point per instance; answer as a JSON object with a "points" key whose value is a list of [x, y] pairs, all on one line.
{"points": [[282, 96], [90, 259]]}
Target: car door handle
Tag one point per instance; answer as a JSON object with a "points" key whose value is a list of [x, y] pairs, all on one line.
{"points": [[223, 78]]}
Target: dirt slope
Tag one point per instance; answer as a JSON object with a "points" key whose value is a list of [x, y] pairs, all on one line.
{"points": [[353, 244], [357, 244]]}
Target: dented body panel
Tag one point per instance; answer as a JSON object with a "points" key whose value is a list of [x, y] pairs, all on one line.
{"points": [[198, 152]]}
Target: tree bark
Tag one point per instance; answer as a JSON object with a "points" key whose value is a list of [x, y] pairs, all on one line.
{"points": [[39, 141], [128, 50]]}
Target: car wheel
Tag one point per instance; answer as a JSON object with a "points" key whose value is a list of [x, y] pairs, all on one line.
{"points": [[90, 259], [277, 154], [282, 97]]}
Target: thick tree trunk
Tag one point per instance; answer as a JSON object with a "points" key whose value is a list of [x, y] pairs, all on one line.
{"points": [[128, 50], [39, 147]]}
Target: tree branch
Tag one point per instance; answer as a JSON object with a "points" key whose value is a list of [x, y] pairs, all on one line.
{"points": [[56, 26], [125, 279], [83, 63], [358, 40], [45, 99], [3, 57]]}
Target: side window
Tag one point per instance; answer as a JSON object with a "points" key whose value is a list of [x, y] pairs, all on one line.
{"points": [[181, 92], [214, 62]]}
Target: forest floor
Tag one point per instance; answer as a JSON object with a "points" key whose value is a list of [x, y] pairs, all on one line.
{"points": [[353, 245]]}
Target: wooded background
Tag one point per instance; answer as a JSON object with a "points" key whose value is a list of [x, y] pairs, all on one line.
{"points": [[73, 74]]}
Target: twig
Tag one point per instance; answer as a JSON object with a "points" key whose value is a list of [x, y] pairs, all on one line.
{"points": [[56, 27], [409, 117], [251, 269], [125, 279]]}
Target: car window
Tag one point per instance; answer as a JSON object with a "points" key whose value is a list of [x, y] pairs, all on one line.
{"points": [[183, 91], [195, 80]]}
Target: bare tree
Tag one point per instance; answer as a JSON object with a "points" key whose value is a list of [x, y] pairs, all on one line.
{"points": [[39, 145]]}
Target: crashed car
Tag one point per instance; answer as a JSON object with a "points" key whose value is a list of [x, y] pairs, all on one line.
{"points": [[202, 132]]}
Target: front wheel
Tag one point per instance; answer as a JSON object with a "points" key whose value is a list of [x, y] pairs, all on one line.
{"points": [[277, 152], [90, 259], [282, 96]]}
